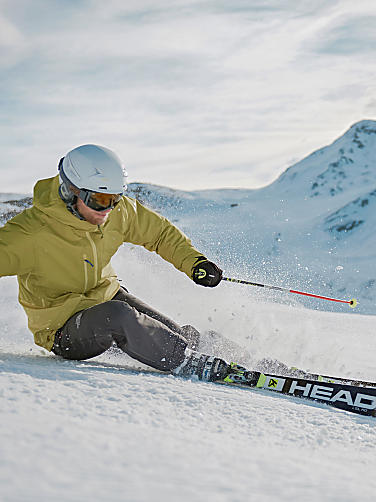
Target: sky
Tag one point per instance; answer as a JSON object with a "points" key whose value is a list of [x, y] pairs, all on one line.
{"points": [[190, 94]]}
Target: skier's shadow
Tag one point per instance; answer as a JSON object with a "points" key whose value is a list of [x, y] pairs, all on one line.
{"points": [[48, 367]]}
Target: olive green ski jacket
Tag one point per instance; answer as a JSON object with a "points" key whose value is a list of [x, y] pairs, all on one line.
{"points": [[63, 264]]}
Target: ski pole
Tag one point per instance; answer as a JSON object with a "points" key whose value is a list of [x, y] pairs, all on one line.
{"points": [[352, 302]]}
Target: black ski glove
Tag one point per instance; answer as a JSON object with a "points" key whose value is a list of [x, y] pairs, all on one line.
{"points": [[206, 273]]}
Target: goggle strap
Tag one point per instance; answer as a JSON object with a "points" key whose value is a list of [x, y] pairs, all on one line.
{"points": [[84, 195]]}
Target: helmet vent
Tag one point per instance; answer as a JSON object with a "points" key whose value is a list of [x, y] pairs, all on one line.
{"points": [[103, 188]]}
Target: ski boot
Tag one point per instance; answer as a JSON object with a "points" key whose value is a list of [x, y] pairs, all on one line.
{"points": [[201, 366], [210, 369]]}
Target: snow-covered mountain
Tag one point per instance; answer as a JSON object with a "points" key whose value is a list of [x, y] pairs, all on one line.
{"points": [[312, 229]]}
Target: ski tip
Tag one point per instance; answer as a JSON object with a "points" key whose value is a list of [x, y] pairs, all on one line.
{"points": [[353, 303]]}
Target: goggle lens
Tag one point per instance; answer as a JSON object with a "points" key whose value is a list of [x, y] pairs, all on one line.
{"points": [[102, 201]]}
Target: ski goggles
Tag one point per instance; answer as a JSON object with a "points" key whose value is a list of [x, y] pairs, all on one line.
{"points": [[94, 200], [99, 201]]}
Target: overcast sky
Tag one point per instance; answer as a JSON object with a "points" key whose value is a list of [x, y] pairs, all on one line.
{"points": [[190, 94]]}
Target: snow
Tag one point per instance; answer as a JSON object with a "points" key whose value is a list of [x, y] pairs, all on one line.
{"points": [[112, 429], [105, 430]]}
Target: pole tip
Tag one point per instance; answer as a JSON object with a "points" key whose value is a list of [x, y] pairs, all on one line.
{"points": [[353, 303]]}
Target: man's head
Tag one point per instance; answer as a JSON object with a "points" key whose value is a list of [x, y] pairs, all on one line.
{"points": [[92, 181]]}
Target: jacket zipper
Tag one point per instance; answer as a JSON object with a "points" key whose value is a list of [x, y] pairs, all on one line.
{"points": [[95, 256], [94, 249], [85, 273]]}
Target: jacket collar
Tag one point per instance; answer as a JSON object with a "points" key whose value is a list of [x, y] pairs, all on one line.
{"points": [[47, 199]]}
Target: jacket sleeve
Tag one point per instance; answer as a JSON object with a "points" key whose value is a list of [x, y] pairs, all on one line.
{"points": [[156, 233], [16, 249]]}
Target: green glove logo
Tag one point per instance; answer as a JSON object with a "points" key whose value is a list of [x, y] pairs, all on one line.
{"points": [[201, 273]]}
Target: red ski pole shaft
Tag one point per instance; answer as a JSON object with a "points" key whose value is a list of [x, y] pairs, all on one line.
{"points": [[352, 302]]}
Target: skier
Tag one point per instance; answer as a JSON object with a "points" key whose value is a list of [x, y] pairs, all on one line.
{"points": [[60, 250]]}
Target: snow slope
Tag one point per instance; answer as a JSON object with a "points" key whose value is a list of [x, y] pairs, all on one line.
{"points": [[73, 431], [110, 429]]}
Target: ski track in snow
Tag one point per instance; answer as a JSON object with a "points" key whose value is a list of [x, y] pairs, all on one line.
{"points": [[103, 430]]}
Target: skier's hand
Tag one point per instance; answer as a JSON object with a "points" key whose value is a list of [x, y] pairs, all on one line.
{"points": [[206, 273]]}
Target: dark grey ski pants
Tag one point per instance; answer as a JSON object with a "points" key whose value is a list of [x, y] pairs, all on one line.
{"points": [[137, 329]]}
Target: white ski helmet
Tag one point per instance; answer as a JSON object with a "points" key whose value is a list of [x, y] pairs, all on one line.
{"points": [[88, 170], [94, 168]]}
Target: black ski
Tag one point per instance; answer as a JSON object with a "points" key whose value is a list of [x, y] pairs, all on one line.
{"points": [[355, 398], [330, 379], [275, 367], [348, 381]]}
